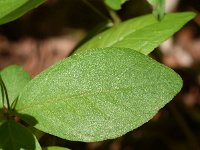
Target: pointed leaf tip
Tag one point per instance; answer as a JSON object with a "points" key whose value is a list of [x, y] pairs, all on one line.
{"points": [[142, 34]]}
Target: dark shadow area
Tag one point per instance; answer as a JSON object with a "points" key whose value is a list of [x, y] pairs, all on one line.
{"points": [[2, 117], [53, 18], [50, 140]]}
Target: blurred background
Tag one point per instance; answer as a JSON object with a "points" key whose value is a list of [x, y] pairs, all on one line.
{"points": [[52, 31]]}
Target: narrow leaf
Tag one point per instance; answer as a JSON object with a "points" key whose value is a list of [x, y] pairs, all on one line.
{"points": [[14, 136], [13, 9], [15, 79], [99, 94], [142, 34]]}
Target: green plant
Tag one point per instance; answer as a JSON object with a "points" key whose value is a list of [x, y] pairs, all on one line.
{"points": [[105, 89]]}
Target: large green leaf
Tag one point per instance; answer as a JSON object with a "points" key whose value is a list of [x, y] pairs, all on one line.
{"points": [[142, 34], [98, 94], [15, 78], [12, 9], [14, 136]]}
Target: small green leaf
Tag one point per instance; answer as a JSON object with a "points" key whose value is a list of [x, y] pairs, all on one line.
{"points": [[142, 34], [55, 148], [14, 137], [13, 9], [98, 94], [158, 8], [114, 4], [15, 79]]}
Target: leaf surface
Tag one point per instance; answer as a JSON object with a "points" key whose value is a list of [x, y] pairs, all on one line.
{"points": [[142, 34], [99, 94], [12, 9], [158, 8], [114, 4], [55, 148], [15, 79], [14, 137]]}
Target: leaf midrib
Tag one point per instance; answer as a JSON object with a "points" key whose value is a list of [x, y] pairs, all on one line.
{"points": [[87, 93], [125, 35]]}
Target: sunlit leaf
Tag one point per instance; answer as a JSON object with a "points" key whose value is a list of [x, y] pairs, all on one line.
{"points": [[114, 4], [15, 79], [55, 148], [142, 34], [98, 94], [12, 9]]}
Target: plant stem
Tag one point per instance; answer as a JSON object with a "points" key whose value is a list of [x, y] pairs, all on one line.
{"points": [[96, 10], [184, 126], [6, 93], [115, 17]]}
